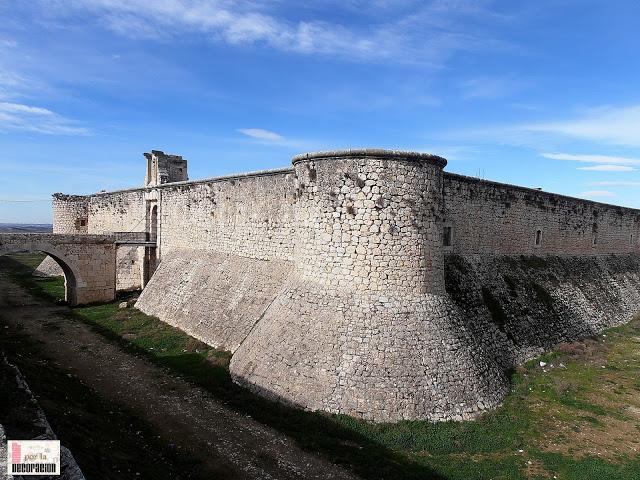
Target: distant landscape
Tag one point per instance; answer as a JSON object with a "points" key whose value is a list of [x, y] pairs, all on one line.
{"points": [[26, 228]]}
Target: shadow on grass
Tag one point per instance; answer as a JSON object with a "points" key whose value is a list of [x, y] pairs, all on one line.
{"points": [[315, 432]]}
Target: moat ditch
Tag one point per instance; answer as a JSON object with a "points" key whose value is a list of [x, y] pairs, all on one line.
{"points": [[135, 398]]}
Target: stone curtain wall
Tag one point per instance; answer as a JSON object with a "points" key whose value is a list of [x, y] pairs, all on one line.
{"points": [[70, 214], [122, 211], [248, 215], [489, 218]]}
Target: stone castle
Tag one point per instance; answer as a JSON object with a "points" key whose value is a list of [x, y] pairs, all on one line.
{"points": [[367, 282]]}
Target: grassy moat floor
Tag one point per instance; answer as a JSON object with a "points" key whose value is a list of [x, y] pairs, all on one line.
{"points": [[571, 414]]}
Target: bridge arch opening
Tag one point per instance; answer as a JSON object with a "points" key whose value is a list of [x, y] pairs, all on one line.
{"points": [[70, 282]]}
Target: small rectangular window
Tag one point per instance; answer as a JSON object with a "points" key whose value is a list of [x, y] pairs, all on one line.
{"points": [[595, 239], [538, 238], [83, 223], [446, 237], [631, 239]]}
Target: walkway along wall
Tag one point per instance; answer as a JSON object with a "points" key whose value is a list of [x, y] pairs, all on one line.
{"points": [[371, 283]]}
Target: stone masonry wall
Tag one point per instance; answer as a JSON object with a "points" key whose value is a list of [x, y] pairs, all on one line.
{"points": [[70, 214], [129, 267], [117, 212], [363, 325], [215, 297], [518, 307], [250, 216], [369, 219], [489, 218], [49, 268]]}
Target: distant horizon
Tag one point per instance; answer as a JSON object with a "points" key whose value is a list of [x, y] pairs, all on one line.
{"points": [[34, 224]]}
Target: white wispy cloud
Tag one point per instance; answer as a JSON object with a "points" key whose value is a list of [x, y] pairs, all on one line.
{"points": [[29, 118], [608, 168], [616, 184], [8, 43], [490, 87], [614, 125], [261, 134], [592, 158], [606, 163], [619, 126], [428, 33], [596, 193], [24, 109]]}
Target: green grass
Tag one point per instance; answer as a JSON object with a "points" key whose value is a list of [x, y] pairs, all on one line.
{"points": [[551, 423], [23, 266]]}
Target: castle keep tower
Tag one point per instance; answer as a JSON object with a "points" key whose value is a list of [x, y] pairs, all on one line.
{"points": [[163, 168]]}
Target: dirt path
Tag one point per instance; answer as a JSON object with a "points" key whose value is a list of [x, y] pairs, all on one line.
{"points": [[227, 444]]}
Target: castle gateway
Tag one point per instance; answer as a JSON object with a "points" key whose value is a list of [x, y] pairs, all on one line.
{"points": [[367, 282]]}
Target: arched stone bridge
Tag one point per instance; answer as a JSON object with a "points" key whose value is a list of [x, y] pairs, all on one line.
{"points": [[88, 261]]}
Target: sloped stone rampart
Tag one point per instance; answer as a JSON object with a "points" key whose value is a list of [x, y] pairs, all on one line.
{"points": [[529, 304], [49, 268], [435, 357], [215, 297], [373, 357]]}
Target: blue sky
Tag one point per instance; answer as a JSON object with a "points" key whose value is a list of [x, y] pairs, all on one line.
{"points": [[542, 94]]}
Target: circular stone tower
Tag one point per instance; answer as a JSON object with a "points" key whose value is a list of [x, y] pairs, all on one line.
{"points": [[363, 325], [70, 213], [370, 220]]}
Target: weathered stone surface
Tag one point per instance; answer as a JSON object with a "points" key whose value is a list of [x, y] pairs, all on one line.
{"points": [[49, 268], [129, 267], [489, 218], [438, 357], [214, 297], [383, 358]]}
